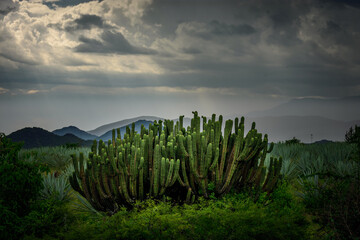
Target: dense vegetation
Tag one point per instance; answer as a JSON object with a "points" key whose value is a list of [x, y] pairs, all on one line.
{"points": [[318, 197], [167, 160]]}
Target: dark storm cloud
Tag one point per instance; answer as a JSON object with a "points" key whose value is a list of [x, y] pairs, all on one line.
{"points": [[292, 48], [66, 3], [291, 82], [72, 62], [112, 42], [191, 50], [281, 17], [7, 10], [219, 28], [309, 34], [342, 3], [169, 14], [86, 22], [17, 58], [7, 6]]}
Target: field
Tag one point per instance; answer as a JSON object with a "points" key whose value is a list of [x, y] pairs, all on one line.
{"points": [[316, 198]]}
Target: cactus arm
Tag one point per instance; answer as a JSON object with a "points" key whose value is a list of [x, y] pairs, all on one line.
{"points": [[156, 170], [141, 178], [227, 132]]}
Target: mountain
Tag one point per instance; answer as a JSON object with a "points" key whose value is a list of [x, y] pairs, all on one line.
{"points": [[108, 135], [74, 131], [342, 109], [282, 128], [38, 137], [108, 127], [278, 128], [323, 141]]}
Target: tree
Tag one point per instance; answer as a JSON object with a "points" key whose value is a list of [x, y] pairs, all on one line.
{"points": [[353, 135], [294, 140]]}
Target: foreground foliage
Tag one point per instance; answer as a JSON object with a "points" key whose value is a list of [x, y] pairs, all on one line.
{"points": [[318, 198], [235, 216], [21, 210], [327, 178], [56, 158]]}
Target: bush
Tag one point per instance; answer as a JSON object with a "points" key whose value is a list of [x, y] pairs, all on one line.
{"points": [[294, 140], [235, 216], [47, 218], [353, 135], [21, 211], [335, 203], [20, 181]]}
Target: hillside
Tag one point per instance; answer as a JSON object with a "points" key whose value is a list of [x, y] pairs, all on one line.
{"points": [[343, 109], [108, 135], [281, 128], [74, 131], [108, 127], [38, 137]]}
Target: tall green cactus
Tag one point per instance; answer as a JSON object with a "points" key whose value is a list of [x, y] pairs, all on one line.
{"points": [[167, 159]]}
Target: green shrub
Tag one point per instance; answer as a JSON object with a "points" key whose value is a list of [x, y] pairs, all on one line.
{"points": [[20, 181], [47, 218], [21, 211], [353, 135], [335, 203], [294, 140], [235, 216]]}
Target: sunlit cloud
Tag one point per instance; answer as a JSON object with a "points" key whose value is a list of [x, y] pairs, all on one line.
{"points": [[116, 91], [3, 90]]}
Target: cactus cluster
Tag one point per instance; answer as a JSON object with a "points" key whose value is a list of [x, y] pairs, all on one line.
{"points": [[166, 158]]}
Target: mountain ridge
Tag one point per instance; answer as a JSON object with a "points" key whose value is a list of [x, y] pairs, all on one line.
{"points": [[279, 128], [305, 128], [119, 124], [108, 135], [75, 131], [342, 109], [38, 137]]}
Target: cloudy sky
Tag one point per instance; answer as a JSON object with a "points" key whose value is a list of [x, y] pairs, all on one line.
{"points": [[88, 63]]}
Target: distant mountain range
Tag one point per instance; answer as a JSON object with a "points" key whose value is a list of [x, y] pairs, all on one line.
{"points": [[75, 131], [342, 109], [279, 128], [306, 128], [38, 137], [108, 127], [108, 135], [280, 123]]}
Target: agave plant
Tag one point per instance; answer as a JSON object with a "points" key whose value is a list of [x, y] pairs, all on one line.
{"points": [[312, 186], [83, 206], [56, 158], [290, 156], [56, 187]]}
